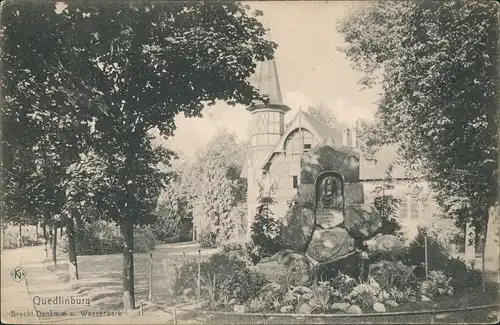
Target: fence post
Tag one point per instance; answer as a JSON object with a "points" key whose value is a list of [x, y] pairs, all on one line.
{"points": [[199, 275], [141, 304], [433, 314], [150, 297], [175, 315], [426, 259], [184, 257]]}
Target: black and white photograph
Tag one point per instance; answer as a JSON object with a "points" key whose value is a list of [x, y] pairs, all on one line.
{"points": [[249, 162]]}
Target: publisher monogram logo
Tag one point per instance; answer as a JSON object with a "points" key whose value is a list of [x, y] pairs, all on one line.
{"points": [[18, 274]]}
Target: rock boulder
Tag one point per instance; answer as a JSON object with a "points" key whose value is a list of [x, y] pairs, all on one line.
{"points": [[354, 310], [362, 221], [386, 245], [297, 228], [329, 244], [285, 266]]}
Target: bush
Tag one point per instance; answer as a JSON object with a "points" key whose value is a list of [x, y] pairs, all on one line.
{"points": [[222, 278], [10, 240], [463, 276], [264, 238], [231, 247], [438, 284], [242, 285], [12, 235], [101, 238], [208, 239], [144, 239], [265, 230]]}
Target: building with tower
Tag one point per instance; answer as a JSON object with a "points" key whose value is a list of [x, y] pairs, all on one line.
{"points": [[275, 151]]}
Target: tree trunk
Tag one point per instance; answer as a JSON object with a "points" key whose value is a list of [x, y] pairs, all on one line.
{"points": [[73, 265], [129, 217], [45, 240], [20, 238], [128, 263], [483, 243], [54, 246], [79, 236]]}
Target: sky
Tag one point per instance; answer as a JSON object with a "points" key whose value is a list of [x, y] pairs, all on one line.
{"points": [[311, 71]]}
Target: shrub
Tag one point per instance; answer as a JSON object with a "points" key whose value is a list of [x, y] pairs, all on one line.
{"points": [[12, 235], [268, 299], [242, 285], [231, 246], [342, 285], [144, 239], [438, 284], [463, 276], [393, 274], [265, 230], [222, 266], [10, 240], [101, 238], [208, 239]]}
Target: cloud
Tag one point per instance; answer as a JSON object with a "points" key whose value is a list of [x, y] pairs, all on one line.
{"points": [[193, 133], [295, 100], [344, 110], [347, 113]]}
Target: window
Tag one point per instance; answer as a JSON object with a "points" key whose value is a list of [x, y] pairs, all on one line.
{"points": [[403, 208], [414, 208], [299, 141], [370, 162], [274, 122], [295, 181]]}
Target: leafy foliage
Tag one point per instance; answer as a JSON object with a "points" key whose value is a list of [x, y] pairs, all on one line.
{"points": [[218, 190], [221, 265], [324, 114], [175, 220], [438, 284], [392, 274], [463, 276], [265, 228], [387, 204], [139, 65], [101, 237], [437, 66]]}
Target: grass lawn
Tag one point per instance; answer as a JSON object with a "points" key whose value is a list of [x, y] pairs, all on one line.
{"points": [[101, 275]]}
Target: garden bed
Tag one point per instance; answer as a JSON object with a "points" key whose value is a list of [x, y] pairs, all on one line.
{"points": [[470, 306]]}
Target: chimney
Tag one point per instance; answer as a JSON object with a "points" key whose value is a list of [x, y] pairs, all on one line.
{"points": [[344, 137], [354, 138]]}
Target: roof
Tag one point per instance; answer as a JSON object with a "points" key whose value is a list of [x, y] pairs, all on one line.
{"points": [[306, 121], [267, 82], [373, 167]]}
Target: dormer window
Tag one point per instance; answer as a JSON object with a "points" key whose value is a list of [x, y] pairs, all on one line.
{"points": [[370, 162]]}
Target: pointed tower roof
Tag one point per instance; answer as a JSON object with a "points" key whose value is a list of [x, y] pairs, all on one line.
{"points": [[267, 81]]}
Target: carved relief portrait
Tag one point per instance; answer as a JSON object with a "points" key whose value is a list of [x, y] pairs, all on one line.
{"points": [[331, 196]]}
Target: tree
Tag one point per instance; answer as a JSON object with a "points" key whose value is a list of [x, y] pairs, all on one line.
{"points": [[265, 229], [218, 187], [438, 68], [386, 203], [174, 210], [128, 69], [323, 114]]}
